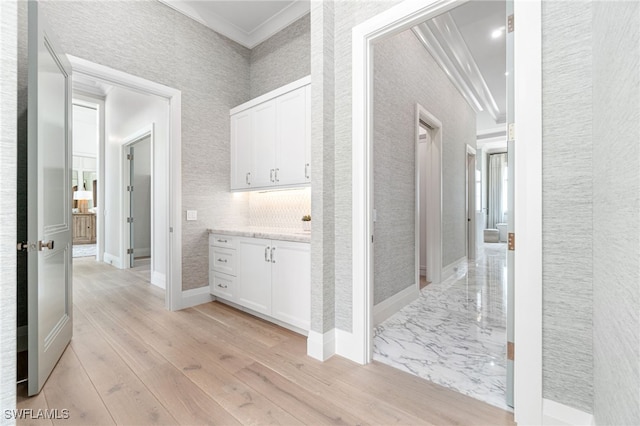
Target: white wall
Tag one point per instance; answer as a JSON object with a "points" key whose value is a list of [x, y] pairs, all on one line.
{"points": [[85, 131], [142, 198], [127, 112]]}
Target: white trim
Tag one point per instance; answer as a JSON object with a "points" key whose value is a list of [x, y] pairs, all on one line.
{"points": [[321, 346], [457, 267], [556, 414], [173, 260], [346, 345], [194, 297], [158, 279], [470, 184], [528, 217], [248, 39], [112, 260], [304, 81], [528, 212], [393, 304]]}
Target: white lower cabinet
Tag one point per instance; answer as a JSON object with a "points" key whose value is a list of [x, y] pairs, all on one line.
{"points": [[270, 277]]}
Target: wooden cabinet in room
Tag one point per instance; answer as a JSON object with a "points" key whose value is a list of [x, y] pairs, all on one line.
{"points": [[84, 228]]}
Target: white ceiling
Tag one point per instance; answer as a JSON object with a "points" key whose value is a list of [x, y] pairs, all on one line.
{"points": [[248, 22]]}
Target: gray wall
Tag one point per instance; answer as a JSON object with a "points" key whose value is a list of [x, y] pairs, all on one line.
{"points": [[406, 74], [211, 71], [8, 137], [567, 189], [283, 58], [616, 212]]}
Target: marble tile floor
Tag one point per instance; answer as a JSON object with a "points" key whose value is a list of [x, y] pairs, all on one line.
{"points": [[454, 334]]}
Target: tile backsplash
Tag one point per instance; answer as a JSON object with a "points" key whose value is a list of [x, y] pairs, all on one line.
{"points": [[279, 209]]}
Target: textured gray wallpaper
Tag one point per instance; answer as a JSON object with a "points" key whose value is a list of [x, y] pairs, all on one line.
{"points": [[616, 212], [567, 188], [322, 168], [151, 40], [405, 73], [8, 145], [283, 58]]}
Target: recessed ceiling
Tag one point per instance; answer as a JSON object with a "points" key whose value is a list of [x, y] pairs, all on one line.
{"points": [[246, 22]]}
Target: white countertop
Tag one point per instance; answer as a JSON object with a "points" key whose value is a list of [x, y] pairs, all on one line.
{"points": [[294, 235]]}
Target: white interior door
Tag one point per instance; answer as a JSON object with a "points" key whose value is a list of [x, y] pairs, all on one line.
{"points": [[49, 197], [511, 155]]}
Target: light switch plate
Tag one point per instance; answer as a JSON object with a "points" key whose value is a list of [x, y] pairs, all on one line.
{"points": [[192, 214]]}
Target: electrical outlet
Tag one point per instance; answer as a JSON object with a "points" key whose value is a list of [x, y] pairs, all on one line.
{"points": [[192, 215]]}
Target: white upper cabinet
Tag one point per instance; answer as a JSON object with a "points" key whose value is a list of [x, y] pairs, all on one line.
{"points": [[271, 139]]}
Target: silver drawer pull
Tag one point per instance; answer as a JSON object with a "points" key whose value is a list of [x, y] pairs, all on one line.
{"points": [[223, 241], [266, 254], [273, 258], [306, 171], [222, 286], [222, 260], [277, 178]]}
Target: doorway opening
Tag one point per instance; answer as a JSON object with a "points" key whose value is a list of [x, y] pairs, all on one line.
{"points": [[471, 206]]}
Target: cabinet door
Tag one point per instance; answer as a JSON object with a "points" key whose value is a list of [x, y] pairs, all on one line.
{"points": [[263, 145], [292, 137], [254, 274], [241, 133], [291, 283]]}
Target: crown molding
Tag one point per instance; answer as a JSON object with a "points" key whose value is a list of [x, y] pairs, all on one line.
{"points": [[264, 31], [443, 40]]}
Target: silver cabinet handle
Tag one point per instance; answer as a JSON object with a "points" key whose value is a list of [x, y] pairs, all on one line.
{"points": [[271, 175], [248, 178], [222, 260], [222, 286], [273, 258], [277, 180], [306, 171], [266, 254], [45, 245], [223, 241]]}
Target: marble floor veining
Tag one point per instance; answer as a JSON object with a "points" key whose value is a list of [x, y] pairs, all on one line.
{"points": [[454, 334]]}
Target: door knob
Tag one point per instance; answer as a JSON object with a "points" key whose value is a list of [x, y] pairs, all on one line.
{"points": [[45, 245]]}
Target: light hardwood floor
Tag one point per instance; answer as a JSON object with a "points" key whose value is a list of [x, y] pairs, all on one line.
{"points": [[132, 362]]}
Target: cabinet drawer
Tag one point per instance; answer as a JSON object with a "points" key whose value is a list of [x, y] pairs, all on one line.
{"points": [[226, 241], [222, 260], [222, 285]]}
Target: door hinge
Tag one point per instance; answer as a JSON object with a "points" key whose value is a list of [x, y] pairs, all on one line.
{"points": [[26, 246], [511, 351], [130, 251], [130, 188], [511, 132], [129, 220], [511, 243], [129, 156], [510, 24]]}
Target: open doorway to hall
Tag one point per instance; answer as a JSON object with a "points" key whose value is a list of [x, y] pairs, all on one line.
{"points": [[453, 331]]}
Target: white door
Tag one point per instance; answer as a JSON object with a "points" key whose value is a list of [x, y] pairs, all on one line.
{"points": [[241, 150], [291, 283], [510, 212], [263, 145], [49, 197], [292, 134], [254, 274]]}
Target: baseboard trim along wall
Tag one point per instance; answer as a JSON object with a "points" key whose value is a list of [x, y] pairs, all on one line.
{"points": [[556, 414], [112, 260], [321, 346], [347, 345], [455, 268], [393, 304], [158, 279], [195, 297]]}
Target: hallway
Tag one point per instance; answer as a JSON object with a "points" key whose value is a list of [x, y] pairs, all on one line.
{"points": [[454, 334], [133, 362]]}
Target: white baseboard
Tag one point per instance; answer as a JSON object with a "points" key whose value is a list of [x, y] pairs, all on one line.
{"points": [[321, 346], [556, 414], [158, 279], [347, 347], [455, 268], [112, 260], [195, 296], [142, 252], [386, 308]]}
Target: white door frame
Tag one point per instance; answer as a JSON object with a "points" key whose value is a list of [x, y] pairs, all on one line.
{"points": [[173, 291], [434, 198], [528, 200], [125, 200], [97, 102], [471, 203]]}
